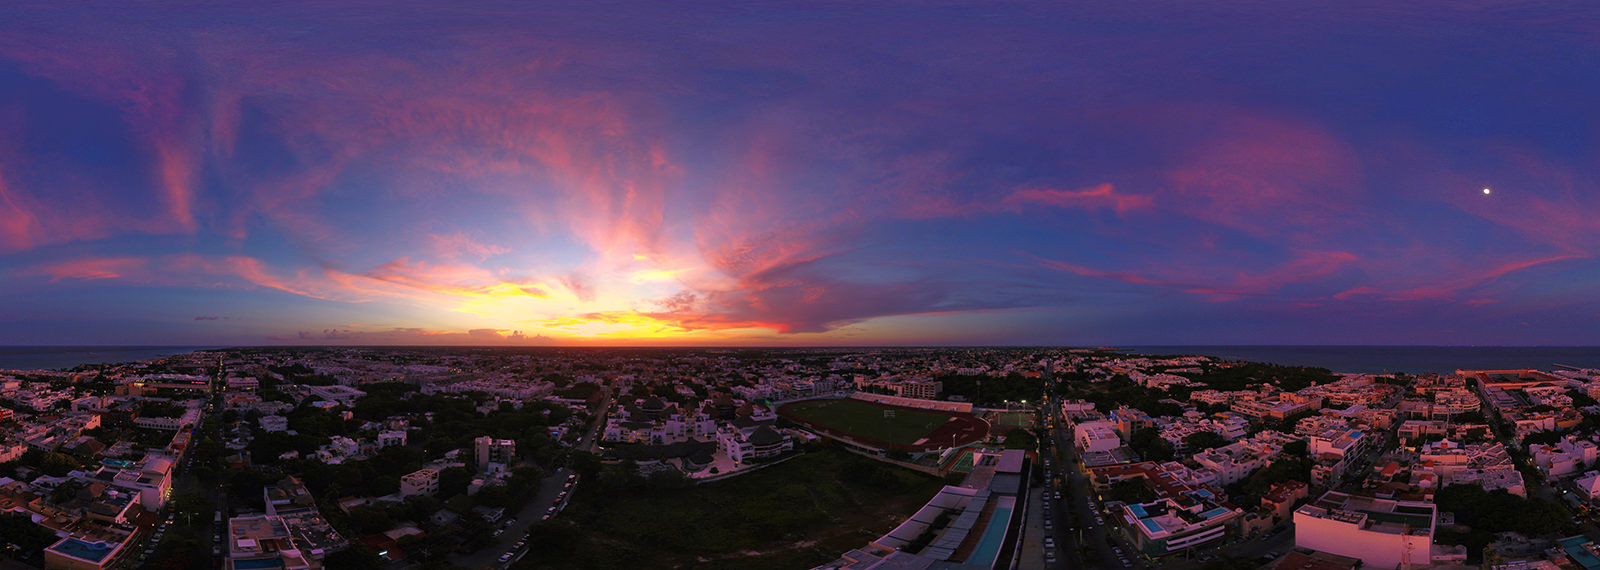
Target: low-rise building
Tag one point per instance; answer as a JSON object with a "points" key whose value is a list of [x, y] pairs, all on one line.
{"points": [[1383, 533], [1175, 523], [1096, 436], [423, 481]]}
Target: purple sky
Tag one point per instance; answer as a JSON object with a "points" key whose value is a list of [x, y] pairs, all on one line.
{"points": [[1129, 172]]}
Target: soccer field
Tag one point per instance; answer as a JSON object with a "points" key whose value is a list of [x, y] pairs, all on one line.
{"points": [[867, 419]]}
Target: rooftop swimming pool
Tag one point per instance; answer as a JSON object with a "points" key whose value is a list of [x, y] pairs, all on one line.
{"points": [[91, 551]]}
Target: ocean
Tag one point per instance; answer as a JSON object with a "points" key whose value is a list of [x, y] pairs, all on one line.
{"points": [[63, 357], [1410, 359]]}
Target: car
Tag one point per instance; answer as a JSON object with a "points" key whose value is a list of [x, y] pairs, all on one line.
{"points": [[1049, 558], [505, 557], [499, 532], [520, 544], [545, 517], [1058, 495], [1049, 542]]}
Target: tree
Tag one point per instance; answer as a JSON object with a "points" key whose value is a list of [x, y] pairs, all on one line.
{"points": [[1018, 438], [1131, 491], [1541, 438], [1204, 440], [454, 480], [368, 520], [192, 506], [1297, 448], [21, 531], [1148, 444], [58, 464], [354, 558]]}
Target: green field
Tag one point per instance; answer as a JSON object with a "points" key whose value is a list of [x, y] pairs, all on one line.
{"points": [[797, 514], [867, 419]]}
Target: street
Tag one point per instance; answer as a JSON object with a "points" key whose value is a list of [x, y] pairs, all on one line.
{"points": [[1084, 538], [548, 497]]}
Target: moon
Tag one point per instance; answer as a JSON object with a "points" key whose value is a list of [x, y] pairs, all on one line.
{"points": [[1485, 191]]}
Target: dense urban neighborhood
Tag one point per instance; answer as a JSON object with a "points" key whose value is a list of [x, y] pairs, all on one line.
{"points": [[303, 458]]}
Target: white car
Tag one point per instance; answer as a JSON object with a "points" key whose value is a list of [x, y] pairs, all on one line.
{"points": [[505, 557]]}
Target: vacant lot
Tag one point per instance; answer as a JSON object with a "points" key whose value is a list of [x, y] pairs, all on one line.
{"points": [[797, 514], [867, 419]]}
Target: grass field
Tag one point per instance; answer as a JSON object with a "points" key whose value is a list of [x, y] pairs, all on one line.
{"points": [[867, 419], [1002, 422], [798, 514]]}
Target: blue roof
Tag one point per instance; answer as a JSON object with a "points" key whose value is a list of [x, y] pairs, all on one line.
{"points": [[1150, 525], [1138, 511], [1217, 512], [1575, 550], [994, 536]]}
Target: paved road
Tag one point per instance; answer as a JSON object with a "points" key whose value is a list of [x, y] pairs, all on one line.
{"points": [[1084, 542], [549, 489], [548, 496]]}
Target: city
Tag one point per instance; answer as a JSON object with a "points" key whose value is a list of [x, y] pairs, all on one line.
{"points": [[799, 285], [943, 458]]}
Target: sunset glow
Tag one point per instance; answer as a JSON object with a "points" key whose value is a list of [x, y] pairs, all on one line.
{"points": [[1018, 173]]}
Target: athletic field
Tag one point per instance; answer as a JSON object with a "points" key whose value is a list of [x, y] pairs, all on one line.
{"points": [[904, 428]]}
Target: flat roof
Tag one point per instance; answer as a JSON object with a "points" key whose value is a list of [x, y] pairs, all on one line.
{"points": [[83, 550]]}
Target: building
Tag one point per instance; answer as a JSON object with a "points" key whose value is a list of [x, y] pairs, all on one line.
{"points": [[1096, 436], [391, 438], [490, 450], [73, 553], [150, 478], [760, 443], [1281, 498], [1383, 533], [920, 389], [264, 541], [189, 417], [274, 423], [1129, 420], [982, 523], [1178, 522], [423, 481]]}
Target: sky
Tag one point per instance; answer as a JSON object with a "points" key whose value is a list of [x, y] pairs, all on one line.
{"points": [[1128, 172]]}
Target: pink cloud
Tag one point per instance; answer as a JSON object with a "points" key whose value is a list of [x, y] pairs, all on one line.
{"points": [[93, 268], [458, 244], [1102, 196], [1450, 288], [1304, 267]]}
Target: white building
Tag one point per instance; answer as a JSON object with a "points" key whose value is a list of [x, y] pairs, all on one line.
{"points": [[274, 423], [760, 443], [391, 438], [1096, 436], [1565, 457], [1382, 533], [423, 481], [489, 450], [190, 416]]}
